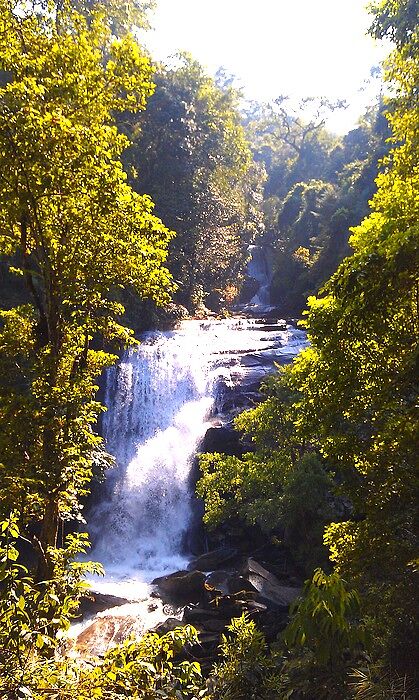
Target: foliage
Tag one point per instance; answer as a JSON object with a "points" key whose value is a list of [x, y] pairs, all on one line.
{"points": [[326, 619], [376, 683], [190, 154], [358, 383], [317, 187], [35, 616], [76, 232], [352, 405], [395, 20], [120, 17], [247, 670], [281, 486], [34, 619]]}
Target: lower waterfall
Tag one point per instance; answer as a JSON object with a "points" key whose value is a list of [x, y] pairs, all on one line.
{"points": [[160, 400]]}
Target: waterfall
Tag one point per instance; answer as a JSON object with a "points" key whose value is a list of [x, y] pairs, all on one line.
{"points": [[258, 267], [160, 399]]}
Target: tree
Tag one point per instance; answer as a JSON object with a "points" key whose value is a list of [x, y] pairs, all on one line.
{"points": [[318, 186], [283, 486], [354, 392], [121, 18], [76, 232], [397, 21], [190, 154], [358, 382]]}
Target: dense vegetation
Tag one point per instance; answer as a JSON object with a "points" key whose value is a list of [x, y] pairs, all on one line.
{"points": [[335, 439], [317, 187], [190, 154], [332, 471]]}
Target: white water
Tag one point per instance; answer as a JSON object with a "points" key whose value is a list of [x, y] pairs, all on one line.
{"points": [[259, 268], [160, 399]]}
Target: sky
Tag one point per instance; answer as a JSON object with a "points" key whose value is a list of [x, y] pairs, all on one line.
{"points": [[301, 48]]}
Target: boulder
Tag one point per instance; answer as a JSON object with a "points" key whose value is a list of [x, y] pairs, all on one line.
{"points": [[182, 586], [97, 602], [105, 633], [195, 614], [212, 624], [167, 626], [218, 580], [268, 586], [222, 439], [256, 359], [216, 559], [239, 584]]}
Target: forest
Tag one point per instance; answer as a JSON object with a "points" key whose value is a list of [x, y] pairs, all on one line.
{"points": [[132, 193]]}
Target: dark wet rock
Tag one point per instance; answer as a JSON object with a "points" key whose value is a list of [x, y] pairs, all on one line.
{"points": [[249, 288], [217, 559], [256, 359], [228, 606], [240, 400], [194, 614], [97, 602], [275, 327], [219, 580], [209, 639], [253, 606], [167, 626], [222, 439], [272, 622], [213, 624], [182, 586], [239, 584], [272, 315], [269, 588]]}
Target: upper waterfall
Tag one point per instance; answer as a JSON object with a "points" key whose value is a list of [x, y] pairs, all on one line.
{"points": [[160, 398], [259, 269]]}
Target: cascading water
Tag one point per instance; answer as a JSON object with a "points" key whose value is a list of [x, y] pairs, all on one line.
{"points": [[159, 400], [259, 268]]}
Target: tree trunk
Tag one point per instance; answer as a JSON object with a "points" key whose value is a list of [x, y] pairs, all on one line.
{"points": [[48, 538]]}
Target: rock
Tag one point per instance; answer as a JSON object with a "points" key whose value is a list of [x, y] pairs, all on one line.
{"points": [[208, 638], [254, 606], [194, 614], [212, 625], [182, 586], [222, 439], [218, 580], [214, 560], [239, 584], [256, 360], [275, 327], [228, 606], [167, 626], [106, 632], [97, 602], [268, 586], [248, 290]]}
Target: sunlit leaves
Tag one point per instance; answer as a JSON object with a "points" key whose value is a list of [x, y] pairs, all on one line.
{"points": [[77, 233]]}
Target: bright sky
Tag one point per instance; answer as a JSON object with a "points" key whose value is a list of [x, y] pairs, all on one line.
{"points": [[293, 47]]}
